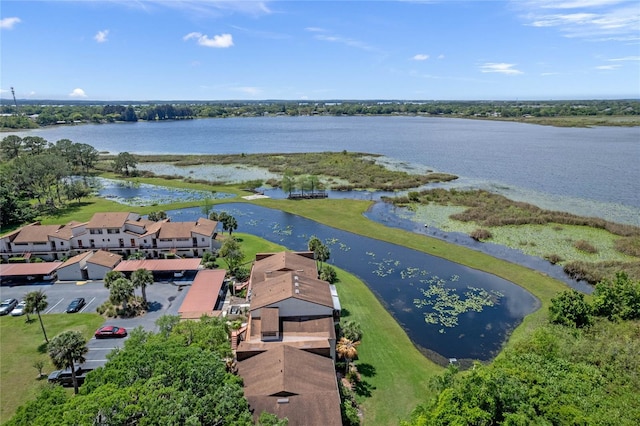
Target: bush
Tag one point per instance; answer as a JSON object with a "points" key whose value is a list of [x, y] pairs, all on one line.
{"points": [[553, 258], [570, 309], [617, 299], [328, 274], [481, 234], [585, 246]]}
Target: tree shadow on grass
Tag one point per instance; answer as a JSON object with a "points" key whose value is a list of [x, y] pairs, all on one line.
{"points": [[366, 370], [344, 312], [42, 348], [363, 388]]}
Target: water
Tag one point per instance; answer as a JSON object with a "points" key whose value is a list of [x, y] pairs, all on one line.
{"points": [[592, 172], [397, 275]]}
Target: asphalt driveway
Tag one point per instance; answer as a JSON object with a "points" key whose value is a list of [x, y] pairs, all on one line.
{"points": [[164, 299]]}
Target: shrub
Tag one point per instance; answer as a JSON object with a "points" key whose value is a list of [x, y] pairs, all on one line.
{"points": [[553, 258], [585, 246], [328, 274], [628, 245], [570, 308], [481, 234]]}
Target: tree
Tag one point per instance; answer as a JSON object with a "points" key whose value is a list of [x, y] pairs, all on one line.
{"points": [[570, 308], [328, 274], [86, 156], [166, 324], [617, 299], [76, 190], [231, 253], [111, 276], [120, 291], [288, 182], [37, 301], [11, 146], [65, 350], [142, 278], [348, 350], [320, 252], [351, 330], [229, 223], [124, 162], [35, 145], [157, 216]]}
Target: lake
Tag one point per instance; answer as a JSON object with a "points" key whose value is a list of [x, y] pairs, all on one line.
{"points": [[590, 172]]}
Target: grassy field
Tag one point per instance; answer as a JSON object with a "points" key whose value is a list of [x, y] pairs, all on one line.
{"points": [[22, 344]]}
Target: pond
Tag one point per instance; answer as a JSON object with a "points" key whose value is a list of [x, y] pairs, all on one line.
{"points": [[448, 310], [132, 193]]}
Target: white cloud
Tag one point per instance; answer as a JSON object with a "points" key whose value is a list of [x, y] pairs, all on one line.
{"points": [[626, 58], [101, 36], [78, 93], [594, 19], [346, 41], [501, 68], [608, 67], [441, 56], [218, 41], [420, 57], [203, 7], [8, 23]]}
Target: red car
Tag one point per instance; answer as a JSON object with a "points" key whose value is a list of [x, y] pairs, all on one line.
{"points": [[110, 331]]}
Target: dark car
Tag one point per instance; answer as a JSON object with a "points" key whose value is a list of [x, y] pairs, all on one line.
{"points": [[7, 306], [110, 331], [75, 305], [64, 377]]}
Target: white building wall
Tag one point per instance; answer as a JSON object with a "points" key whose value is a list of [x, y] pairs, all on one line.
{"points": [[71, 272], [96, 272]]}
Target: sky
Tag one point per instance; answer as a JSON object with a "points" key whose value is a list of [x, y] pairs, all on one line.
{"points": [[140, 50]]}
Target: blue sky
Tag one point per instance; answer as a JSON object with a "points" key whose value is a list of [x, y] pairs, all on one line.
{"points": [[316, 50]]}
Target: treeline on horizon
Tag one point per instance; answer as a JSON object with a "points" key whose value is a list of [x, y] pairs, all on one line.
{"points": [[33, 113]]}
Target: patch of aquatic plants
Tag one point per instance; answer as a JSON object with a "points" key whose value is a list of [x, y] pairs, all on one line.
{"points": [[489, 209], [446, 304], [360, 170]]}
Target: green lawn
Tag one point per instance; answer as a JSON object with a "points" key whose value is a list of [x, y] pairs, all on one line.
{"points": [[22, 344]]}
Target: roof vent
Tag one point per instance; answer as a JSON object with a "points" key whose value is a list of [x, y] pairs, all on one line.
{"points": [[295, 277], [283, 400], [297, 291], [297, 284]]}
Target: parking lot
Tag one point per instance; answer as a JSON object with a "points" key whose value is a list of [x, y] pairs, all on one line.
{"points": [[164, 299]]}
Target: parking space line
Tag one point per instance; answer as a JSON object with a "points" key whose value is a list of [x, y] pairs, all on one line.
{"points": [[53, 307], [85, 306]]}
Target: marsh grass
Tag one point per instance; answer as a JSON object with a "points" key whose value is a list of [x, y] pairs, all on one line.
{"points": [[348, 170]]}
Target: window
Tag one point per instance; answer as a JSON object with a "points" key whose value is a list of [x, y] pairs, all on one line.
{"points": [[95, 231], [113, 231]]}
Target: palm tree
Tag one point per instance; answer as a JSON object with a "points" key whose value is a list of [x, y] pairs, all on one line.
{"points": [[66, 349], [111, 276], [121, 291], [142, 278], [320, 251], [37, 301], [348, 350]]}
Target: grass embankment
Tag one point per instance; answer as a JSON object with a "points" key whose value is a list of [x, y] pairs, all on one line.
{"points": [[22, 345], [573, 121]]}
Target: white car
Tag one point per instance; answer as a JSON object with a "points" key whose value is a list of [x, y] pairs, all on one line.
{"points": [[19, 309]]}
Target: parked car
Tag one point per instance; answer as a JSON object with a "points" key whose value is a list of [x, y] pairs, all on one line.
{"points": [[75, 305], [7, 306], [110, 331], [19, 309], [64, 378]]}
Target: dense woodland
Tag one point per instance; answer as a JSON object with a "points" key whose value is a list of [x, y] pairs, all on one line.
{"points": [[29, 114]]}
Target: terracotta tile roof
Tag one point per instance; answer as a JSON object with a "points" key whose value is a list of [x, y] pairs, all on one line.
{"points": [[171, 230], [40, 233], [292, 383], [270, 265], [203, 294], [159, 265], [290, 285], [295, 329], [75, 259], [105, 258], [204, 226], [108, 220], [25, 269], [153, 227]]}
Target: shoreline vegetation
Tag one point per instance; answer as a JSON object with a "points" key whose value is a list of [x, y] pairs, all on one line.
{"points": [[32, 114]]}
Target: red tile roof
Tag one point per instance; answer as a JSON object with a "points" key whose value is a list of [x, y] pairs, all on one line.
{"points": [[105, 258], [290, 285], [25, 269], [203, 294], [159, 265], [108, 220]]}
